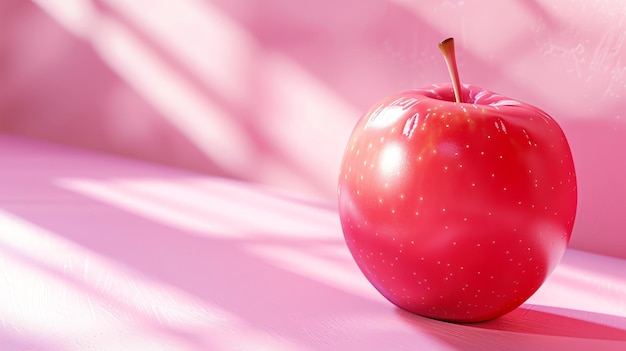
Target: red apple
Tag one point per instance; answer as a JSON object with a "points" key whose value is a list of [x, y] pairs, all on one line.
{"points": [[456, 210]]}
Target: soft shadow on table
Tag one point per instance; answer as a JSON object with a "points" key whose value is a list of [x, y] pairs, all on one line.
{"points": [[13, 342], [527, 328], [531, 321]]}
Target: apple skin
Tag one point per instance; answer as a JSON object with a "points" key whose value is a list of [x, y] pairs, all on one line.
{"points": [[456, 211]]}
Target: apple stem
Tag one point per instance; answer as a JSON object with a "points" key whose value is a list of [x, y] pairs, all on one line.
{"points": [[447, 49]]}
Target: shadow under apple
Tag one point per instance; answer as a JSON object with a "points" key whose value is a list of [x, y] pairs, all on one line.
{"points": [[528, 328]]}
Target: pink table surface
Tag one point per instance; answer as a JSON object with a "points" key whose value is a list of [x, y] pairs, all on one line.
{"points": [[105, 253]]}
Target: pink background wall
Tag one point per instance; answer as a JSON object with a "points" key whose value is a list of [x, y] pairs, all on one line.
{"points": [[268, 90]]}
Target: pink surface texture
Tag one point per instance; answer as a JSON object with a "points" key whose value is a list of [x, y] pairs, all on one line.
{"points": [[104, 253]]}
